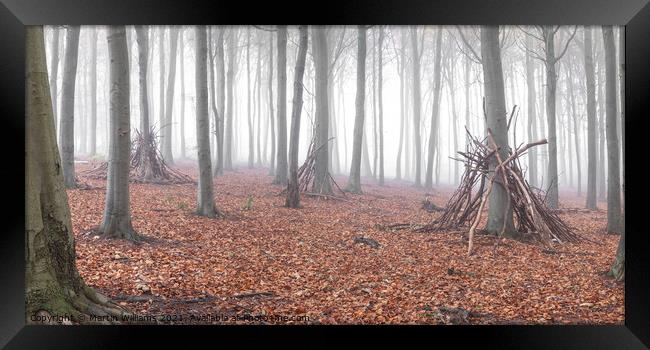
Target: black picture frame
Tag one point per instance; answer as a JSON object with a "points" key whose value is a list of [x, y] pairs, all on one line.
{"points": [[634, 14]]}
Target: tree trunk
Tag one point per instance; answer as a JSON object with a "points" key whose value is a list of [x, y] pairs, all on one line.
{"points": [[93, 93], [52, 282], [551, 82], [161, 69], [66, 129], [143, 52], [169, 98], [117, 212], [232, 53], [251, 145], [576, 126], [602, 166], [416, 104], [591, 120], [220, 120], [181, 55], [271, 112], [205, 201], [402, 107], [613, 176], [258, 79], [499, 213], [319, 49], [380, 102], [532, 116], [354, 182], [621, 57], [293, 195], [281, 169], [437, 80]]}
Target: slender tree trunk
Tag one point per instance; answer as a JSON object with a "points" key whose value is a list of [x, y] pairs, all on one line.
{"points": [[551, 82], [437, 80], [251, 145], [380, 67], [181, 56], [117, 212], [416, 104], [93, 93], [281, 171], [232, 53], [613, 176], [293, 195], [602, 165], [221, 99], [532, 117], [66, 130], [591, 120], [143, 52], [354, 181], [402, 107], [576, 126], [205, 197], [271, 112], [499, 214], [258, 79], [161, 69], [621, 56], [319, 49], [169, 99]]}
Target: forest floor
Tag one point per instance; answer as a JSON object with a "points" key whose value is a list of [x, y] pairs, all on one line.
{"points": [[271, 264]]}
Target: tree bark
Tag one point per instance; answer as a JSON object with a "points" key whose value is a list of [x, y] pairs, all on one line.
{"points": [[181, 54], [143, 52], [271, 112], [232, 53], [499, 213], [319, 49], [205, 201], [117, 212], [281, 169], [551, 85], [380, 102], [354, 181], [66, 129], [437, 80], [591, 120], [613, 176], [54, 71], [221, 105], [52, 282], [416, 104], [532, 116], [166, 130], [293, 194], [401, 65]]}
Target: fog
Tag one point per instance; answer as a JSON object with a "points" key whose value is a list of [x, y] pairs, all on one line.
{"points": [[460, 103]]}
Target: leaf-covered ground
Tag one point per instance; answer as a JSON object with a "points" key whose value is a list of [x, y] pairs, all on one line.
{"points": [[271, 264]]}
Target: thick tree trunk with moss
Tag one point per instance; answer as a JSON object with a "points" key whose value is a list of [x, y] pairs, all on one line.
{"points": [[613, 167], [53, 285], [354, 181], [495, 104], [293, 194], [321, 180], [281, 168], [117, 212], [205, 201], [66, 128]]}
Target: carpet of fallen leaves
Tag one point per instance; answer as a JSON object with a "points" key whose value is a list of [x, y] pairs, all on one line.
{"points": [[271, 264]]}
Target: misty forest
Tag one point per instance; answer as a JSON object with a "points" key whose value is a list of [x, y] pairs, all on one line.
{"points": [[325, 174]]}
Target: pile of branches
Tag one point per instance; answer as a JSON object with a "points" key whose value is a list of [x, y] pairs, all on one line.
{"points": [[146, 164], [532, 217], [307, 174]]}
